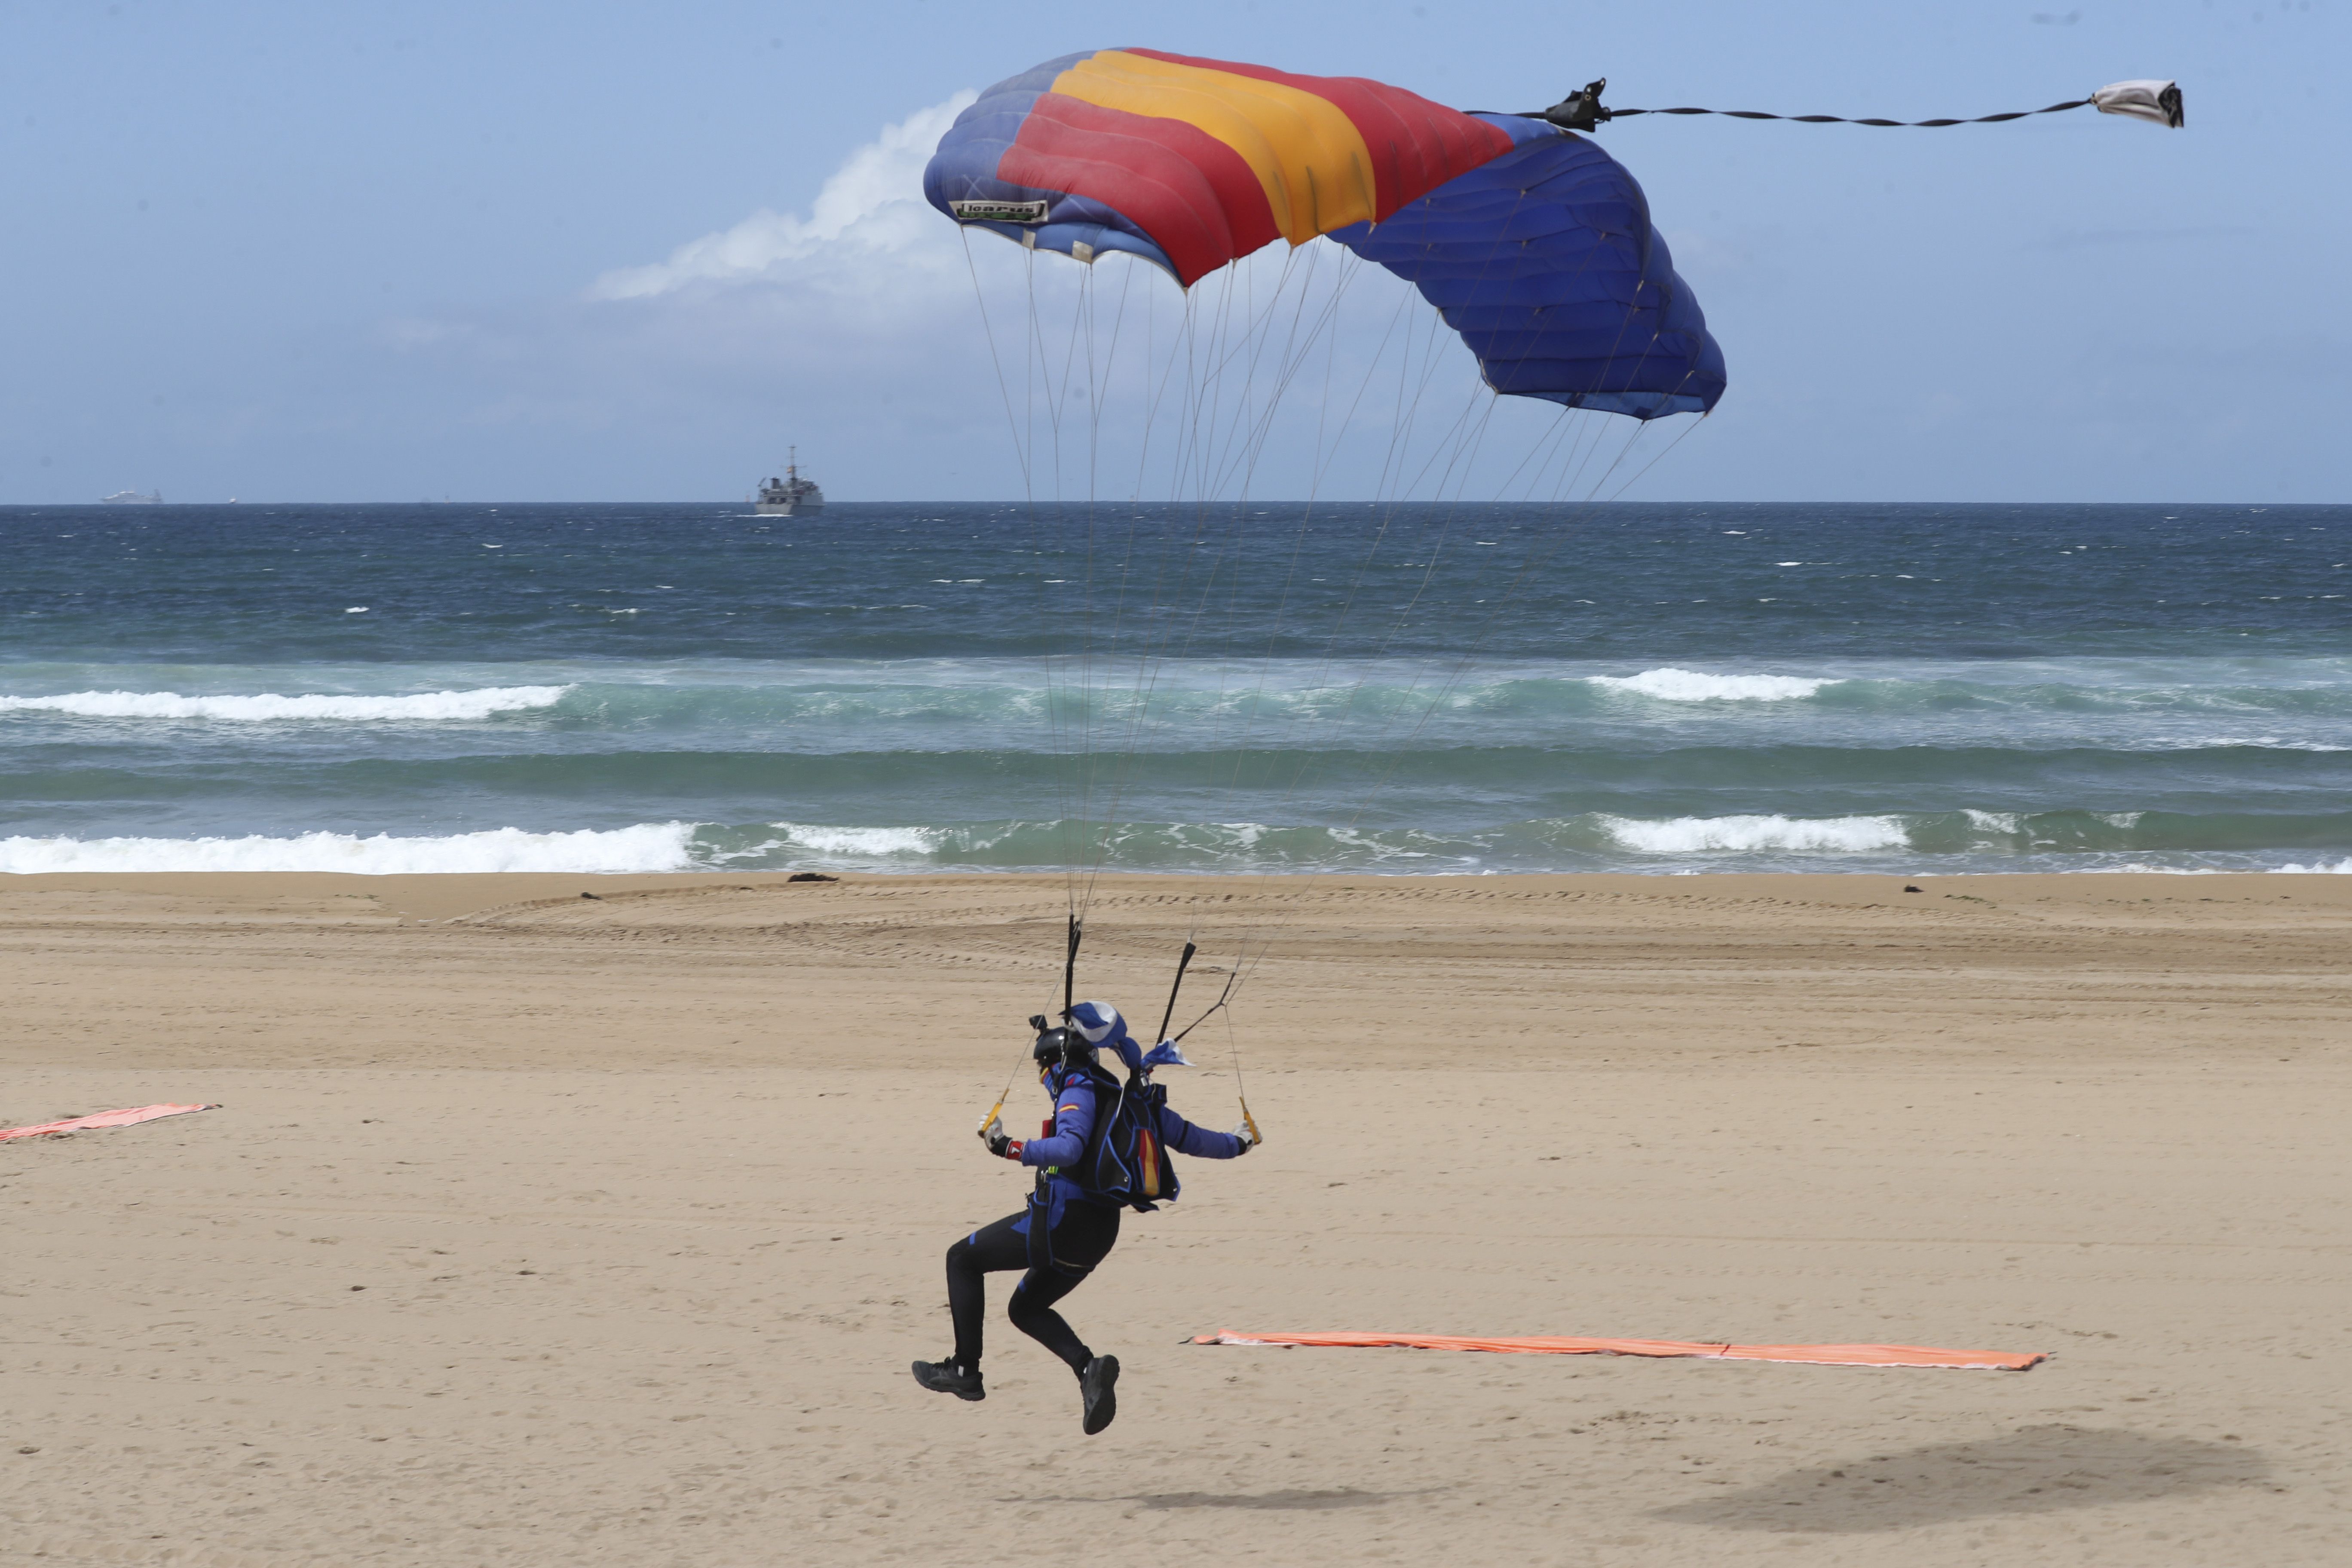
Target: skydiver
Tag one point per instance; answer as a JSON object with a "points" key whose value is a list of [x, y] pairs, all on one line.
{"points": [[1068, 1225]]}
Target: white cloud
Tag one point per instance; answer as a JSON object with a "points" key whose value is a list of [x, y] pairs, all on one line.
{"points": [[871, 210], [852, 331]]}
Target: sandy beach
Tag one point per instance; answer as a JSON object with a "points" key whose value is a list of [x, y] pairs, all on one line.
{"points": [[541, 1229]]}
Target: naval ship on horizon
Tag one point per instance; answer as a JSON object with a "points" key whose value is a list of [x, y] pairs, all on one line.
{"points": [[791, 496]]}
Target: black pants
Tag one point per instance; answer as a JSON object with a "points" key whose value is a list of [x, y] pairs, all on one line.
{"points": [[1083, 1239]]}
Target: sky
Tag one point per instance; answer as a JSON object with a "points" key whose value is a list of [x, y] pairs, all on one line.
{"points": [[580, 251]]}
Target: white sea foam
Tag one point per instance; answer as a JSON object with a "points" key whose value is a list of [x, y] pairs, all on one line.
{"points": [[268, 707], [648, 846], [1672, 685], [2320, 869], [860, 840], [1697, 834], [1996, 821]]}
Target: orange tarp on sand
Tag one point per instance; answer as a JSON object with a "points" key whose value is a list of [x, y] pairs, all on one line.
{"points": [[103, 1119], [1818, 1355]]}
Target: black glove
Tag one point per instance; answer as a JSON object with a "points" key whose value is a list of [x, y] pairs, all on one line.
{"points": [[1002, 1144]]}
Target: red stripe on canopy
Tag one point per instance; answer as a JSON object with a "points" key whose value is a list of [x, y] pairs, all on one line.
{"points": [[1195, 197]]}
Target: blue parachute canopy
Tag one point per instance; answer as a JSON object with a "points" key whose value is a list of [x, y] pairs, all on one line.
{"points": [[1546, 261]]}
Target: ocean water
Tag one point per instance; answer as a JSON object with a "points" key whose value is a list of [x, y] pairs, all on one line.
{"points": [[1916, 689]]}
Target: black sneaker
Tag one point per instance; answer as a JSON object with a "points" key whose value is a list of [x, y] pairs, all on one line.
{"points": [[1097, 1380], [951, 1377]]}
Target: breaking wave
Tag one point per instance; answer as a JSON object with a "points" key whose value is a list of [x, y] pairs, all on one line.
{"points": [[648, 846], [1696, 835], [1913, 843], [268, 707], [1672, 685]]}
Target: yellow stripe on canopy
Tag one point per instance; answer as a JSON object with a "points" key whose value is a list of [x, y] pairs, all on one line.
{"points": [[1306, 152]]}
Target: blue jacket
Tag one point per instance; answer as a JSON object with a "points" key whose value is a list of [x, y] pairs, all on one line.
{"points": [[1074, 1109]]}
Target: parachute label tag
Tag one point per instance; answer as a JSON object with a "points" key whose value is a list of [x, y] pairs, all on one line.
{"points": [[999, 212]]}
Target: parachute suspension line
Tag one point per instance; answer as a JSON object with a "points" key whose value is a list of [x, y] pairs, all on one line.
{"points": [[1229, 445], [1470, 656], [1099, 391], [996, 361], [1406, 413], [1081, 327], [1539, 460], [1117, 636], [1458, 448], [1455, 476], [1160, 391], [1661, 458], [1328, 325], [1395, 751], [1082, 333], [1199, 460], [1252, 446], [1295, 355], [1068, 731], [1322, 468], [1223, 433], [1300, 338], [1101, 849], [1023, 450], [1097, 852], [1399, 438], [1241, 1089], [1246, 440], [1053, 630], [1218, 448]]}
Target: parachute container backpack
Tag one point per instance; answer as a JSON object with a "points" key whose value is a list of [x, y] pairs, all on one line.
{"points": [[1129, 1164]]}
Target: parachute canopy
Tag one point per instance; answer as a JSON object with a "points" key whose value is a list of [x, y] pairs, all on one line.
{"points": [[1534, 244]]}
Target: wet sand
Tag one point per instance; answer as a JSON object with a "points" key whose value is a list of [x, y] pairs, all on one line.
{"points": [[536, 1228]]}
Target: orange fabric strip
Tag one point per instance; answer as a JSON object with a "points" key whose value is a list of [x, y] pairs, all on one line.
{"points": [[103, 1119], [1816, 1356]]}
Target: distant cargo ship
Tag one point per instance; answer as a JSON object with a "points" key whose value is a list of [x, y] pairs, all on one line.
{"points": [[131, 498], [791, 496]]}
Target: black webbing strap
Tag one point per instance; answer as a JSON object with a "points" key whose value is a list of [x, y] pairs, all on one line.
{"points": [[1583, 110], [1841, 120]]}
